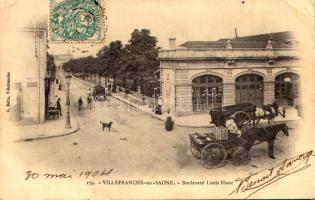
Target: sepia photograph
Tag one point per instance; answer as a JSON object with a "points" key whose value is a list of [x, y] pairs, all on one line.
{"points": [[157, 99]]}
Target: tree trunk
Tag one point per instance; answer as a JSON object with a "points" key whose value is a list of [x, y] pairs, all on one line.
{"points": [[142, 85], [124, 83], [114, 84], [135, 84]]}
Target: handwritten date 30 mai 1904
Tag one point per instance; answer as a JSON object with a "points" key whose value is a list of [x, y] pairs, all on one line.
{"points": [[80, 174]]}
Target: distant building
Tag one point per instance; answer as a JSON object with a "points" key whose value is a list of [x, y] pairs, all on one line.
{"points": [[28, 72], [200, 75], [62, 58]]}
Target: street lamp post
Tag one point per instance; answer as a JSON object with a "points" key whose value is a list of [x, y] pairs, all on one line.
{"points": [[154, 98], [68, 80]]}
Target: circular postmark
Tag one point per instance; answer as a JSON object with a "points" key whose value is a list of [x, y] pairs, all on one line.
{"points": [[76, 20]]}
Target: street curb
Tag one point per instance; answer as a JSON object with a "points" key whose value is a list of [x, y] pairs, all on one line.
{"points": [[54, 136], [48, 137], [156, 117]]}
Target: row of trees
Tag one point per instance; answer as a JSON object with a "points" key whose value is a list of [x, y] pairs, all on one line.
{"points": [[136, 60]]}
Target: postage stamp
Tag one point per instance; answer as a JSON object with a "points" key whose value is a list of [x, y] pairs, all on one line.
{"points": [[77, 20]]}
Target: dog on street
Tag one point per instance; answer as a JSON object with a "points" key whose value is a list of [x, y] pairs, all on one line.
{"points": [[106, 125]]}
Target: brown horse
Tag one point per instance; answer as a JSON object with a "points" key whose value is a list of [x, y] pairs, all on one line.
{"points": [[264, 134]]}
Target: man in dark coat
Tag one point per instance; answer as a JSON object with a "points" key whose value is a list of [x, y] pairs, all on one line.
{"points": [[59, 106], [80, 102], [89, 101]]}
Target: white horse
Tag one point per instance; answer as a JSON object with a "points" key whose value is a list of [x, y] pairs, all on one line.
{"points": [[269, 112], [260, 112]]}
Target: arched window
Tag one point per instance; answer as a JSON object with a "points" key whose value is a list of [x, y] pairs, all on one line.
{"points": [[287, 88], [207, 91], [249, 89]]}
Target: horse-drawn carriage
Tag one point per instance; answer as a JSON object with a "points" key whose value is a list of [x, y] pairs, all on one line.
{"points": [[214, 147], [99, 93], [241, 112], [246, 114]]}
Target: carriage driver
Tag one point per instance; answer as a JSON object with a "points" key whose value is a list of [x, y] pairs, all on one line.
{"points": [[231, 126]]}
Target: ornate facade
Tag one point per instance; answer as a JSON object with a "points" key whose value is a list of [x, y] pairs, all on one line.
{"points": [[197, 76]]}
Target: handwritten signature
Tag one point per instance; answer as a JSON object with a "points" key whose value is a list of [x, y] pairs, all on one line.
{"points": [[260, 180], [81, 174]]}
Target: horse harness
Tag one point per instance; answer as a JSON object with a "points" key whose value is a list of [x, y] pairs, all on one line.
{"points": [[262, 131]]}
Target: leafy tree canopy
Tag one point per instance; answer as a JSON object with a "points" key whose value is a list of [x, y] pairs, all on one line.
{"points": [[135, 60]]}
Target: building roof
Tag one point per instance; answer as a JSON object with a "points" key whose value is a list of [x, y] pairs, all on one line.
{"points": [[278, 40]]}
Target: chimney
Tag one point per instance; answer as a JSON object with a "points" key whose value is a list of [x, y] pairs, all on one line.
{"points": [[172, 43], [235, 29]]}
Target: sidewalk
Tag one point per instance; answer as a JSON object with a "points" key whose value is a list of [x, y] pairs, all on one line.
{"points": [[194, 120], [26, 131]]}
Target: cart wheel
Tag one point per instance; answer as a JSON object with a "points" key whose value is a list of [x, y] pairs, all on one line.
{"points": [[213, 155], [194, 151], [240, 157], [242, 119]]}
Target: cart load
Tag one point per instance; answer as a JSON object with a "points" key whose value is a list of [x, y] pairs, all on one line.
{"points": [[215, 133], [218, 133]]}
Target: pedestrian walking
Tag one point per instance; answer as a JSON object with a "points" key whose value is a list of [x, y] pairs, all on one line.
{"points": [[59, 106], [90, 92], [80, 102], [89, 101]]}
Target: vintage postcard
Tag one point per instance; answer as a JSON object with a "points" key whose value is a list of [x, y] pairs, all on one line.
{"points": [[157, 99]]}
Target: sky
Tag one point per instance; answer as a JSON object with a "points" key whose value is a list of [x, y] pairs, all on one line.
{"points": [[186, 20]]}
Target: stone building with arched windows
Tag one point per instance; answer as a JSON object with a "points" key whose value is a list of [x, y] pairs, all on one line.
{"points": [[200, 75]]}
